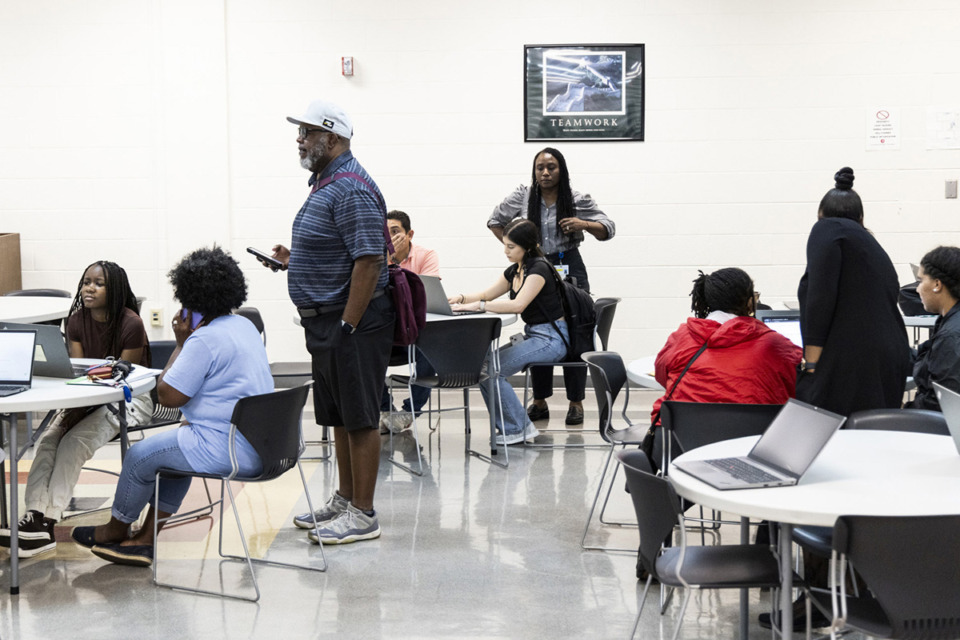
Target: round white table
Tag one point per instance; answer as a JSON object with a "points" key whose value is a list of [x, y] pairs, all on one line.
{"points": [[881, 473], [641, 373], [47, 394], [29, 309]]}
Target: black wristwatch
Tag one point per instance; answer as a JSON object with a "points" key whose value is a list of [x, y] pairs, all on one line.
{"points": [[346, 327]]}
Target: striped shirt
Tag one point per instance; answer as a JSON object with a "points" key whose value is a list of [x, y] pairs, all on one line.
{"points": [[337, 224]]}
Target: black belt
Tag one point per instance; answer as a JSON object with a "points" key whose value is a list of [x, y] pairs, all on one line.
{"points": [[313, 312]]}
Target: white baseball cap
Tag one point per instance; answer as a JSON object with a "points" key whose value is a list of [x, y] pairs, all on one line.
{"points": [[327, 116]]}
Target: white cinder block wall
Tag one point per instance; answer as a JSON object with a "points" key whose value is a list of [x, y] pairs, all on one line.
{"points": [[136, 130]]}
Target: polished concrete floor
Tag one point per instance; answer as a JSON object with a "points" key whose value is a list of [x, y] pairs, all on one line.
{"points": [[469, 550]]}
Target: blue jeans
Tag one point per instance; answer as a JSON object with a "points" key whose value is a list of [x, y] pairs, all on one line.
{"points": [[420, 395], [542, 344], [139, 472]]}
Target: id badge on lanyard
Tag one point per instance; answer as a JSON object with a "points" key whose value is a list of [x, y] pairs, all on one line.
{"points": [[562, 269]]}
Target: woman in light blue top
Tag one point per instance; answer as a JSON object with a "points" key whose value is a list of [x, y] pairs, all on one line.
{"points": [[219, 359]]}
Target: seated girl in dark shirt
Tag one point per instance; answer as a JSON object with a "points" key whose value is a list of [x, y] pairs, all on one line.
{"points": [[532, 285]]}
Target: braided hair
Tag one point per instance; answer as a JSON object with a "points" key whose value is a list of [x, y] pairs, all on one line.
{"points": [[565, 208], [943, 264], [729, 290], [842, 201], [119, 297]]}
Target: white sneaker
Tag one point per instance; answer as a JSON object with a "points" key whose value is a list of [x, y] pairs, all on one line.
{"points": [[528, 434], [350, 526], [400, 421], [336, 505], [384, 422]]}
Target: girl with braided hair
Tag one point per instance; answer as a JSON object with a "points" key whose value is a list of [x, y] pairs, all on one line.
{"points": [[856, 354], [745, 361], [938, 359], [104, 322]]}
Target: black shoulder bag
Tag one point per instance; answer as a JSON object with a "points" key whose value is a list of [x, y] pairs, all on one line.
{"points": [[647, 444]]}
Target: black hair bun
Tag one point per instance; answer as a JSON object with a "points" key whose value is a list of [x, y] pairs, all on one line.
{"points": [[844, 179]]}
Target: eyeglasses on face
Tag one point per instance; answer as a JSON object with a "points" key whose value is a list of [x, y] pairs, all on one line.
{"points": [[304, 131]]}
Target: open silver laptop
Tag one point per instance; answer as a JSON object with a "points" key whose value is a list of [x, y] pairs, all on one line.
{"points": [[51, 358], [437, 299], [950, 405], [786, 322], [781, 456], [16, 361]]}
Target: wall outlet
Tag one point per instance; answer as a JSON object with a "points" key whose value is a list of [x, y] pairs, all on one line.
{"points": [[156, 317], [950, 190]]}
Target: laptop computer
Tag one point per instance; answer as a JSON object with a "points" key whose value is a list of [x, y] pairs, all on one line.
{"points": [[51, 358], [781, 456], [950, 405], [437, 299], [786, 322], [16, 365]]}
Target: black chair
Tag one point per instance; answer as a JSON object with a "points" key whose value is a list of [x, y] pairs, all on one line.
{"points": [[271, 423], [692, 567], [819, 540], [286, 375], [609, 378], [457, 349], [606, 309], [41, 293], [912, 567]]}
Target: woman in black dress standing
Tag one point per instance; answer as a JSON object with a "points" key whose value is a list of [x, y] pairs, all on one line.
{"points": [[856, 354]]}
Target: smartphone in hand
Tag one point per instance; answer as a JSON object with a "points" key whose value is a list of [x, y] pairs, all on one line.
{"points": [[265, 258]]}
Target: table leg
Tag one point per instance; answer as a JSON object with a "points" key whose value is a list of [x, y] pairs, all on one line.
{"points": [[744, 593], [786, 580], [14, 510]]}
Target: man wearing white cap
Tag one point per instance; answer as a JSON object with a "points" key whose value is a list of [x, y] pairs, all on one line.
{"points": [[337, 275]]}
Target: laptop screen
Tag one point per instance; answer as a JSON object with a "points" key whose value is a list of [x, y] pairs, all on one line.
{"points": [[795, 437], [16, 365], [784, 322]]}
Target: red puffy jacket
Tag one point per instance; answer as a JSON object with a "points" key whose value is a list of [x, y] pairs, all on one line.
{"points": [[745, 361]]}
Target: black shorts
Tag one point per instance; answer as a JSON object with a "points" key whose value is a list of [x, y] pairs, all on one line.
{"points": [[349, 370]]}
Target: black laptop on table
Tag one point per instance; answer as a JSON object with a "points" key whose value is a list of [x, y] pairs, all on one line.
{"points": [[16, 361], [51, 358], [779, 458]]}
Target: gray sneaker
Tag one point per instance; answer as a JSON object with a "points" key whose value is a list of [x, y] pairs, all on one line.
{"points": [[336, 505], [351, 526]]}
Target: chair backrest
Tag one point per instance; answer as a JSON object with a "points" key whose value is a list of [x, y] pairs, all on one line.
{"points": [[914, 420], [608, 376], [458, 347], [696, 424], [912, 567], [271, 424], [253, 315], [655, 502], [40, 293], [606, 309], [161, 350]]}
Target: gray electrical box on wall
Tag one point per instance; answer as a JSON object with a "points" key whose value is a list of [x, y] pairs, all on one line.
{"points": [[951, 189]]}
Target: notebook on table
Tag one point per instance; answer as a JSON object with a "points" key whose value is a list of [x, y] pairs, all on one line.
{"points": [[437, 299], [786, 322], [950, 405], [779, 458], [16, 365], [51, 358]]}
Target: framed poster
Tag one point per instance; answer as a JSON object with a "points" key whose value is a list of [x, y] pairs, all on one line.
{"points": [[583, 92]]}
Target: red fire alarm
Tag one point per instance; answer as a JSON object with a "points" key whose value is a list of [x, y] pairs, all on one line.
{"points": [[346, 65]]}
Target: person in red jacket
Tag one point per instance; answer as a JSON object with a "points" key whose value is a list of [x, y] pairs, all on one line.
{"points": [[745, 361]]}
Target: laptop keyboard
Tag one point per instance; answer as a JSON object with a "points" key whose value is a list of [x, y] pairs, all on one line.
{"points": [[742, 470], [10, 389]]}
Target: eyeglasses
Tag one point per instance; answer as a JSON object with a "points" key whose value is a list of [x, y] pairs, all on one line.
{"points": [[304, 132]]}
